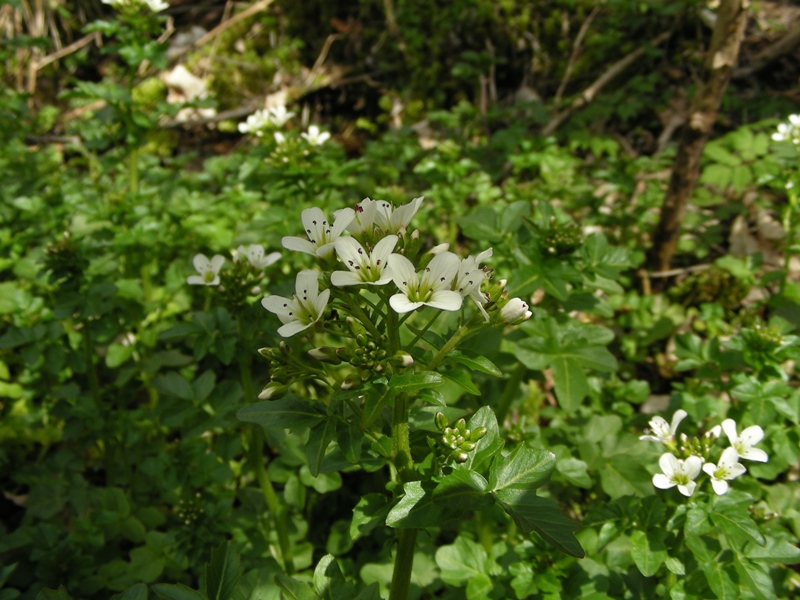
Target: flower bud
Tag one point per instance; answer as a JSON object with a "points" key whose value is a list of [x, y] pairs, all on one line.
{"points": [[440, 420], [477, 434], [268, 353], [515, 311], [285, 348], [403, 359], [325, 354], [355, 327], [349, 382], [273, 391], [411, 244]]}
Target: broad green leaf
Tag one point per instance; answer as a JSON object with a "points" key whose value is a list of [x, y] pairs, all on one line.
{"points": [[540, 515], [463, 488], [775, 551], [415, 509], [118, 354], [475, 363], [319, 439], [329, 582], [575, 471], [350, 440], [176, 591], [755, 577], [295, 590], [718, 175], [479, 587], [703, 548], [174, 384], [463, 379], [522, 469], [371, 592], [461, 561], [675, 565], [370, 512], [411, 382], [719, 580], [287, 413], [375, 401], [742, 177], [223, 572], [731, 514], [648, 550], [716, 152], [570, 382], [489, 445]]}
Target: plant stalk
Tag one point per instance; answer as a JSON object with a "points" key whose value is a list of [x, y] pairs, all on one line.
{"points": [[403, 564]]}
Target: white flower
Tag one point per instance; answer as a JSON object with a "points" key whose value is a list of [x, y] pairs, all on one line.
{"points": [[663, 432], [363, 217], [744, 443], [255, 123], [788, 132], [315, 137], [713, 433], [208, 270], [321, 234], [727, 468], [156, 5], [393, 220], [678, 472], [469, 278], [515, 310], [278, 115], [304, 309], [433, 289], [255, 256], [364, 267], [279, 138]]}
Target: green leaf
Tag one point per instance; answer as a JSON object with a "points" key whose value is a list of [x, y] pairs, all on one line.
{"points": [[570, 383], [319, 439], [475, 363], [329, 582], [704, 549], [350, 441], [287, 413], [411, 382], [719, 580], [463, 380], [717, 175], [174, 384], [522, 469], [51, 594], [540, 515], [223, 572], [732, 515], [375, 400], [118, 354], [370, 512], [461, 561], [135, 592], [463, 488], [176, 591], [416, 508], [741, 178], [714, 151], [648, 550], [756, 578], [489, 445], [775, 551], [295, 590]]}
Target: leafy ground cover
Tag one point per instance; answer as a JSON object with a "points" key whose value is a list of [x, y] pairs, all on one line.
{"points": [[225, 373]]}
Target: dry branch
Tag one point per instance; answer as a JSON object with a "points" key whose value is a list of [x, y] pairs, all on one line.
{"points": [[722, 56], [576, 47], [590, 92], [67, 50], [772, 52]]}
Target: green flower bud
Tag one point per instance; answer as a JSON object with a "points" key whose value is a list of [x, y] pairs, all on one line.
{"points": [[411, 245], [477, 434], [355, 327], [273, 391], [325, 354], [440, 420], [402, 359], [349, 382]]}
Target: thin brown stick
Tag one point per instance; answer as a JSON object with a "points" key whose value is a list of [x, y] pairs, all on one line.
{"points": [[576, 47], [723, 53], [67, 50], [245, 14], [772, 52], [590, 92]]}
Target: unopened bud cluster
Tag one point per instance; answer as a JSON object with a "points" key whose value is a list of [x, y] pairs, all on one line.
{"points": [[456, 442]]}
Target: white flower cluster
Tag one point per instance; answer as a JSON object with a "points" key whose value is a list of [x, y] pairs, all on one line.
{"points": [[276, 117], [208, 270], [788, 132], [153, 5], [683, 472], [368, 258]]}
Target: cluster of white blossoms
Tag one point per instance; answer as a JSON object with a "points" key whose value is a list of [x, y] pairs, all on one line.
{"points": [[683, 472], [276, 117], [788, 132], [369, 256], [153, 5], [208, 270]]}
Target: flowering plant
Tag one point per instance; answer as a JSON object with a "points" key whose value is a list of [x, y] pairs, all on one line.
{"points": [[383, 379]]}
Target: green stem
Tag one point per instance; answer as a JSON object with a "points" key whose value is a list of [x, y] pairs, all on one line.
{"points": [[510, 388], [362, 316], [257, 459], [403, 564], [423, 330], [133, 171], [461, 333], [392, 330]]}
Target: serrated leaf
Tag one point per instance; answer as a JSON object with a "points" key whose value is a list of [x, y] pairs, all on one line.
{"points": [[522, 469], [223, 572], [540, 515], [463, 488], [287, 413]]}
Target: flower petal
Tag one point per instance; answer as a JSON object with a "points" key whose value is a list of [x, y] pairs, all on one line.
{"points": [[402, 271], [342, 218], [343, 278], [687, 489], [756, 454], [292, 242], [679, 416], [200, 262], [321, 301], [307, 284], [216, 262], [445, 300], [728, 458], [195, 280], [692, 466], [347, 249], [292, 328], [669, 464], [662, 482], [401, 304], [729, 427], [752, 435], [277, 304], [442, 270], [384, 248], [720, 486]]}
